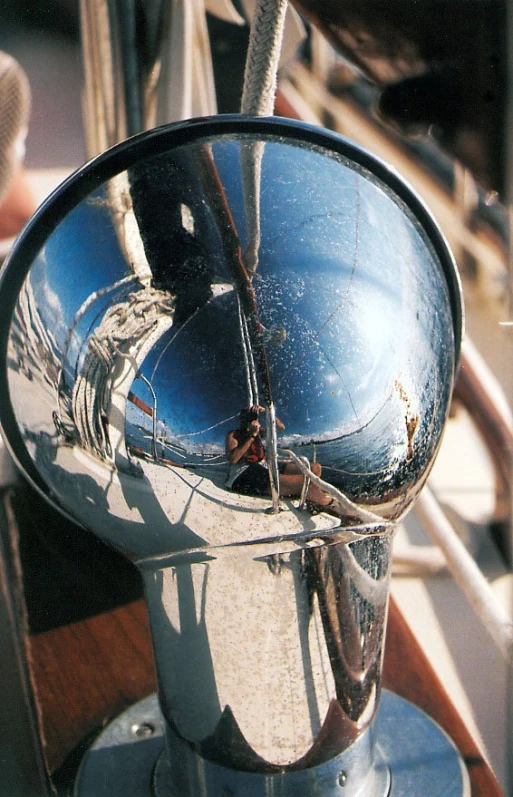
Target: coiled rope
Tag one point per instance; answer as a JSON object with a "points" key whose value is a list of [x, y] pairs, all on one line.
{"points": [[124, 323]]}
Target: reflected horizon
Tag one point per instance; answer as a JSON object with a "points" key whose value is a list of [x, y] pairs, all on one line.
{"points": [[242, 390], [197, 297]]}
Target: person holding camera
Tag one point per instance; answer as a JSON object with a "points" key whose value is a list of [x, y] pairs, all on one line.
{"points": [[249, 473]]}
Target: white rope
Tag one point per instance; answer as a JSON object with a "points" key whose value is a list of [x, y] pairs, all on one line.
{"points": [[251, 154], [15, 104], [84, 307], [466, 572], [263, 57], [207, 428], [260, 79], [344, 504], [123, 324]]}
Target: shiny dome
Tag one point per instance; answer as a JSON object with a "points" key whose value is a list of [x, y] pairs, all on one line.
{"points": [[210, 266]]}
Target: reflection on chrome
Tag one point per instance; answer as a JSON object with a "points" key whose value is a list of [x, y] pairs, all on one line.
{"points": [[264, 266], [302, 627]]}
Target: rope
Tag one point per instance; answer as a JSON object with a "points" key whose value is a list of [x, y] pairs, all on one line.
{"points": [[260, 79], [15, 104], [84, 307], [251, 154], [208, 428], [344, 504], [260, 76], [122, 326]]}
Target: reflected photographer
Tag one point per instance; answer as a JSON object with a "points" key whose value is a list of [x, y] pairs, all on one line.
{"points": [[249, 474]]}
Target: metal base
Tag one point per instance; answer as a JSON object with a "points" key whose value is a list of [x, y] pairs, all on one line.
{"points": [[415, 756]]}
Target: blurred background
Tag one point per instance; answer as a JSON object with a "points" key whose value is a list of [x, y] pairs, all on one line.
{"points": [[427, 92], [44, 38]]}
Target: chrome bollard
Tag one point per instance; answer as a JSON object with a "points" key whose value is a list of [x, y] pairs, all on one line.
{"points": [[283, 652], [267, 626]]}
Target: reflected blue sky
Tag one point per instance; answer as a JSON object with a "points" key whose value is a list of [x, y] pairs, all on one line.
{"points": [[341, 287], [344, 272], [81, 256]]}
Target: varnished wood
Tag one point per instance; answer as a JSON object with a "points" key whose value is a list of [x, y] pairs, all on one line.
{"points": [[88, 672], [408, 672]]}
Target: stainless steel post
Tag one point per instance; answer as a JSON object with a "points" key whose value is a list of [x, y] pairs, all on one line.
{"points": [[154, 415], [267, 627], [269, 662]]}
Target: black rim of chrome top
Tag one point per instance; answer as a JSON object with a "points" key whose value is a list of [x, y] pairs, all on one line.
{"points": [[157, 141]]}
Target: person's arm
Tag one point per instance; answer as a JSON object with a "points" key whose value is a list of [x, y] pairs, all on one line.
{"points": [[234, 450], [279, 424]]}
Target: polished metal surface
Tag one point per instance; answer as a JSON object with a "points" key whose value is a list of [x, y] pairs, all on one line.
{"points": [[127, 760], [345, 329], [350, 770], [283, 649], [190, 273]]}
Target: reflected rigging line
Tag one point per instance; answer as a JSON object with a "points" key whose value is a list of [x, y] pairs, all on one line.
{"points": [[202, 431], [180, 329], [292, 230], [251, 378], [174, 337], [355, 260], [255, 355]]}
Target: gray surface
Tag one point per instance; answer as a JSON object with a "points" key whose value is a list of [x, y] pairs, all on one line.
{"points": [[422, 760]]}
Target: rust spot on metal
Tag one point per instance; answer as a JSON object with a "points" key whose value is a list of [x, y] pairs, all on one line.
{"points": [[412, 419]]}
